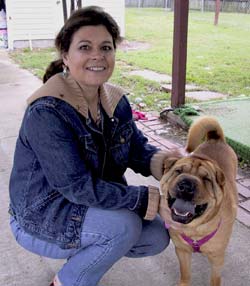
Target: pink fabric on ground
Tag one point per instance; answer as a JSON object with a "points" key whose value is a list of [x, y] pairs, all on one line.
{"points": [[137, 115]]}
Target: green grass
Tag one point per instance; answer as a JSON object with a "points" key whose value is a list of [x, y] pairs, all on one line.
{"points": [[218, 56], [36, 61]]}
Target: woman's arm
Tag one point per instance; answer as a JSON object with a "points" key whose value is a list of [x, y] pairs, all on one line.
{"points": [[57, 150]]}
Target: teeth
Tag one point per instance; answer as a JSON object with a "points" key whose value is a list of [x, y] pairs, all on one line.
{"points": [[181, 214], [96, 68]]}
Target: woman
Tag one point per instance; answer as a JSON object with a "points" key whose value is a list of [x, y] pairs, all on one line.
{"points": [[68, 195]]}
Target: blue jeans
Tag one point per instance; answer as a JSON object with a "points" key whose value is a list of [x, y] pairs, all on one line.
{"points": [[107, 236]]}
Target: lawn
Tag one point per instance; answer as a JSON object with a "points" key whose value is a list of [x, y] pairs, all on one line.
{"points": [[218, 56]]}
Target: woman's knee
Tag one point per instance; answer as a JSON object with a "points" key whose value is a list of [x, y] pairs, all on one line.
{"points": [[132, 225], [160, 236], [121, 226], [128, 226], [154, 239]]}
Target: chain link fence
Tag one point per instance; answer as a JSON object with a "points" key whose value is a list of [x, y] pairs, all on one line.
{"points": [[234, 6]]}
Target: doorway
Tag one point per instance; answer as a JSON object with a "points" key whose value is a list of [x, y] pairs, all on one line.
{"points": [[3, 26]]}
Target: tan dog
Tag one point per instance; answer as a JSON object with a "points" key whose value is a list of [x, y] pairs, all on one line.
{"points": [[201, 196]]}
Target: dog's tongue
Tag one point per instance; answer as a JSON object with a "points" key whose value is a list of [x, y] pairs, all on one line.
{"points": [[183, 207]]}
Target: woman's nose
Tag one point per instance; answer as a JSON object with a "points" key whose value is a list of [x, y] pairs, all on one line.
{"points": [[97, 54]]}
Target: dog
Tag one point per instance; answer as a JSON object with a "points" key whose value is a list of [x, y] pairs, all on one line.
{"points": [[200, 198]]}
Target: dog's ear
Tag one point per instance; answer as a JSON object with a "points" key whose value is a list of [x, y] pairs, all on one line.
{"points": [[220, 177], [168, 163]]}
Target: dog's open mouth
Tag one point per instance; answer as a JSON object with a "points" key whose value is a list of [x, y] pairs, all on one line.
{"points": [[185, 211]]}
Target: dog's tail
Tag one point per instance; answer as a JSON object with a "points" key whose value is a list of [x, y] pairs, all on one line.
{"points": [[203, 129]]}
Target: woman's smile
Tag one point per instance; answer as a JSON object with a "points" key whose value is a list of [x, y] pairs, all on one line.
{"points": [[96, 69]]}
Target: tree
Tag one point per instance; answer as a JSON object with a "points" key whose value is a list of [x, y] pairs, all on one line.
{"points": [[79, 4], [202, 5], [217, 12], [140, 3]]}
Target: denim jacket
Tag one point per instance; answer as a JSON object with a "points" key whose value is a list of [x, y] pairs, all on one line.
{"points": [[64, 164]]}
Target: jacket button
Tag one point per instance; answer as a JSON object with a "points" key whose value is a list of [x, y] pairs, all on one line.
{"points": [[72, 245], [76, 218]]}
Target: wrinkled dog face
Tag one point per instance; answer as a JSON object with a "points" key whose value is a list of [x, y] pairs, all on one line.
{"points": [[192, 187]]}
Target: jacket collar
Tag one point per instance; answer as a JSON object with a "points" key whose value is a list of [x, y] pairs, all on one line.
{"points": [[69, 90]]}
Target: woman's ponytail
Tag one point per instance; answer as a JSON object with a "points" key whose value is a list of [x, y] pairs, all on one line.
{"points": [[53, 68]]}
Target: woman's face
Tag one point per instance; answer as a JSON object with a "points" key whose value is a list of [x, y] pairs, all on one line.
{"points": [[91, 56]]}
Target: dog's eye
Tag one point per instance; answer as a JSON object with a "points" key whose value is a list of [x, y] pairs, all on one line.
{"points": [[206, 179], [178, 171]]}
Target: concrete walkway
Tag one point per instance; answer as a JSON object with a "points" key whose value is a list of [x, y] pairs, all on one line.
{"points": [[20, 268]]}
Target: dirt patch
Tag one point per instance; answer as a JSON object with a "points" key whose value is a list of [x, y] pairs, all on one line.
{"points": [[173, 133], [133, 46]]}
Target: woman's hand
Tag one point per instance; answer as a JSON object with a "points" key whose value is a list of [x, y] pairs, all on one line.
{"points": [[159, 158]]}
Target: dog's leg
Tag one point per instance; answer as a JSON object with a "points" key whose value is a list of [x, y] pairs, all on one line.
{"points": [[184, 258], [217, 263]]}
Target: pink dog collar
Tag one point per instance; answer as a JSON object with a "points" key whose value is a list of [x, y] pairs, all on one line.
{"points": [[196, 244]]}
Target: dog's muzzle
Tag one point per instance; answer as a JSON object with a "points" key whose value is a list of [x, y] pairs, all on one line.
{"points": [[182, 205]]}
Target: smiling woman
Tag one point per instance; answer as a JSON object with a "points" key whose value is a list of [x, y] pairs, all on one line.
{"points": [[91, 57], [76, 141]]}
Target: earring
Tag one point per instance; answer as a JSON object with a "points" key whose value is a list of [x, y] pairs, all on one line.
{"points": [[65, 71]]}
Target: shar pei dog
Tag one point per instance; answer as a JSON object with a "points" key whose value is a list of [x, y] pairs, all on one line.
{"points": [[199, 202]]}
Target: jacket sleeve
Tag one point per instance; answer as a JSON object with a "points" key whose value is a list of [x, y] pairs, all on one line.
{"points": [[56, 148]]}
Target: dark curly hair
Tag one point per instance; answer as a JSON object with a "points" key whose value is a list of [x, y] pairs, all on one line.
{"points": [[89, 16]]}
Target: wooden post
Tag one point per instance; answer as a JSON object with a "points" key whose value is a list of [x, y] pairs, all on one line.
{"points": [[65, 13], [179, 53], [217, 12]]}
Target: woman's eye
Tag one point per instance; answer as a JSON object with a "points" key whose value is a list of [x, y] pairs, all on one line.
{"points": [[107, 48], [84, 47]]}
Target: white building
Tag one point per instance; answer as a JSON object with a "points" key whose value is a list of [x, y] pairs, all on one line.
{"points": [[34, 23]]}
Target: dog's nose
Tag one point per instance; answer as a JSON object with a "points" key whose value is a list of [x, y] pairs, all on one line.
{"points": [[186, 189]]}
